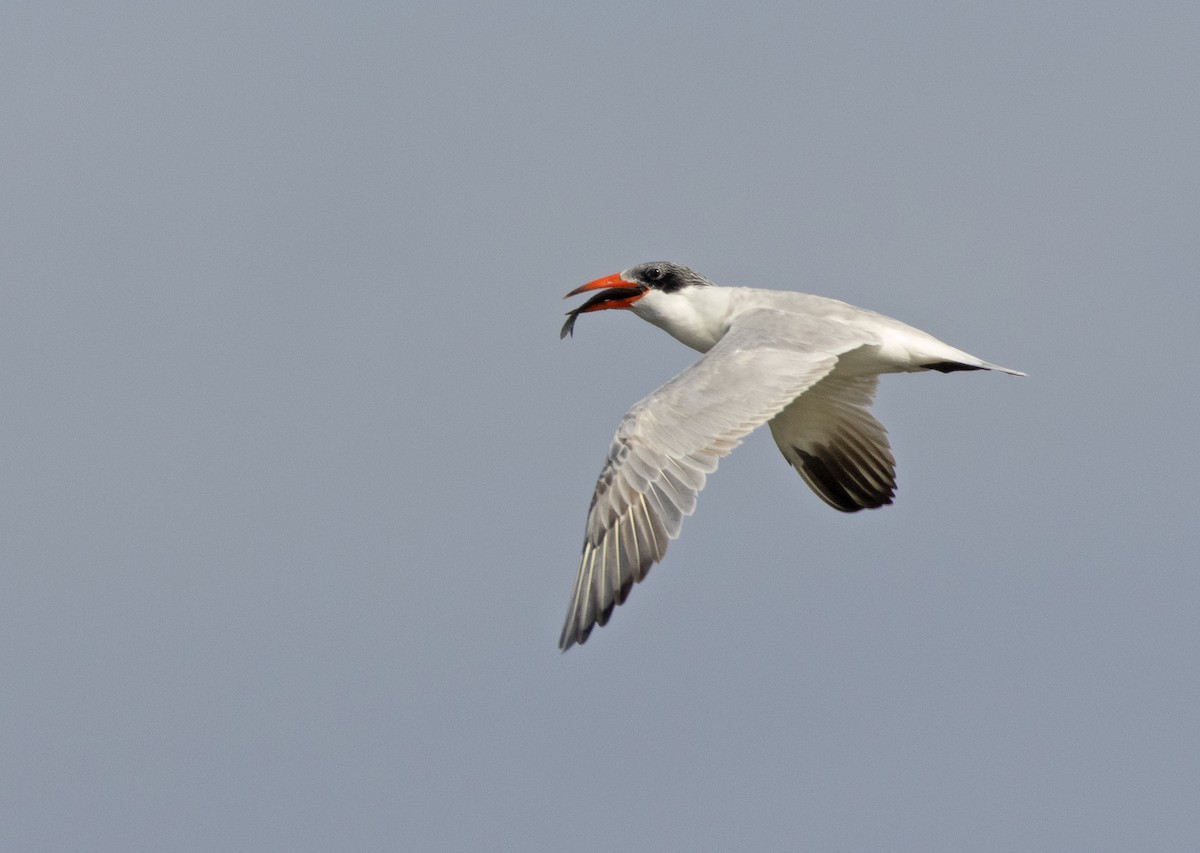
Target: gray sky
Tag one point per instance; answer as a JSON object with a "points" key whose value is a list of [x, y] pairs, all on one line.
{"points": [[295, 466]]}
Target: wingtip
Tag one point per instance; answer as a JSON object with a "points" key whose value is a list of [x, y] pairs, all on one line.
{"points": [[571, 636]]}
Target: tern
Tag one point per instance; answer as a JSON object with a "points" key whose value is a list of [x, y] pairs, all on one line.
{"points": [[807, 365]]}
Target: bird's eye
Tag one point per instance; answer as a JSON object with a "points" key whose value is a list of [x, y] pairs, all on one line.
{"points": [[654, 274]]}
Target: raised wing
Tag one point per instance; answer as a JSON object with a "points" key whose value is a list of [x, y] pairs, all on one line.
{"points": [[669, 442], [837, 445]]}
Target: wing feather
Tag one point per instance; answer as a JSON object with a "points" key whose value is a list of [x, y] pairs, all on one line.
{"points": [[837, 445], [669, 442]]}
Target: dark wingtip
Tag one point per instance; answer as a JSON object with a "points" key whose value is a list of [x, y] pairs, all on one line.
{"points": [[572, 635], [841, 483], [951, 366]]}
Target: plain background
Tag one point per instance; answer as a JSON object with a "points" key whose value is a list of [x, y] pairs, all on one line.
{"points": [[294, 467]]}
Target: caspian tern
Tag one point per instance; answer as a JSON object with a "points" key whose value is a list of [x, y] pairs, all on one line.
{"points": [[807, 365]]}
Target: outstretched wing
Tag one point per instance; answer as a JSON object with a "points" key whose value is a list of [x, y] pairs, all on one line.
{"points": [[837, 445], [670, 441]]}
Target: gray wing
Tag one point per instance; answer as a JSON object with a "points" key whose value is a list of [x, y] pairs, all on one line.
{"points": [[670, 441], [838, 447]]}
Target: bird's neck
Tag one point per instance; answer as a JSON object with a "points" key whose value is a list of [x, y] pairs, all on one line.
{"points": [[697, 317]]}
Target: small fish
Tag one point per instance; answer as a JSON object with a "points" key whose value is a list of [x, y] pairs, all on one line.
{"points": [[598, 303]]}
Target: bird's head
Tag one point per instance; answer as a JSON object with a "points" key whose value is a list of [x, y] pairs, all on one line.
{"points": [[621, 290]]}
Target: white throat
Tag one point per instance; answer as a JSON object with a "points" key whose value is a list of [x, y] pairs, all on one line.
{"points": [[695, 316]]}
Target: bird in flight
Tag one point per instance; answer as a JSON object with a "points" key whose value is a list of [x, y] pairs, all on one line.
{"points": [[807, 365]]}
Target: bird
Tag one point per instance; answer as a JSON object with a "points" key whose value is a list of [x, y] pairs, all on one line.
{"points": [[807, 365]]}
